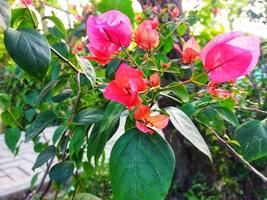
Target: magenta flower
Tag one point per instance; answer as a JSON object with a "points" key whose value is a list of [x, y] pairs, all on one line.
{"points": [[107, 33], [230, 55]]}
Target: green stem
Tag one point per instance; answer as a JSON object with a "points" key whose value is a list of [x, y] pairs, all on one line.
{"points": [[131, 58]]}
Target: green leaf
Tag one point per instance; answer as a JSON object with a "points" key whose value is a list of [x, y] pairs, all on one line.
{"points": [[29, 49], [4, 100], [167, 45], [187, 128], [125, 6], [65, 94], [108, 126], [12, 136], [22, 18], [181, 92], [88, 116], [4, 14], [45, 91], [227, 115], [87, 69], [86, 196], [62, 171], [76, 140], [252, 137], [141, 166], [29, 114], [112, 68], [44, 156], [39, 124], [181, 29], [34, 180], [58, 23], [58, 132], [10, 116], [228, 103]]}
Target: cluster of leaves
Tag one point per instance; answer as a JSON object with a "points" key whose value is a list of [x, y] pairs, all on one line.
{"points": [[63, 89]]}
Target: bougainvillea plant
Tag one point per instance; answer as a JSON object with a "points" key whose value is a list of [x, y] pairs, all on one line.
{"points": [[124, 70]]}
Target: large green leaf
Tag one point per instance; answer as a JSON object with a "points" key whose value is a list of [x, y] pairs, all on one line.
{"points": [[76, 140], [4, 14], [39, 124], [141, 167], [124, 6], [187, 128], [88, 116], [252, 137], [62, 171], [12, 136], [44, 156], [29, 49], [103, 132], [227, 115]]}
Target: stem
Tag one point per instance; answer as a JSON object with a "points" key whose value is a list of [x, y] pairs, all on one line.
{"points": [[239, 157], [64, 59], [192, 79], [35, 25], [130, 57], [15, 120], [45, 175], [46, 190], [252, 109], [77, 98], [72, 115]]}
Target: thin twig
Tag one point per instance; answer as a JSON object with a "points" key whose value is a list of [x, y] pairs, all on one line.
{"points": [[130, 57], [239, 157], [72, 114], [64, 59], [45, 175], [252, 109]]}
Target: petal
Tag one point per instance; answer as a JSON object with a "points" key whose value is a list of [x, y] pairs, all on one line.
{"points": [[130, 77], [220, 39], [250, 43], [159, 121], [192, 43], [154, 80], [116, 93], [142, 112], [143, 128], [226, 63], [189, 56]]}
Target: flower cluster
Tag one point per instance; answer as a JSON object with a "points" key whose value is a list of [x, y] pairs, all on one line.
{"points": [[225, 58]]}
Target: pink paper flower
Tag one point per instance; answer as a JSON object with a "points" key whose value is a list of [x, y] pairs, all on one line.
{"points": [[174, 12], [107, 33], [126, 86], [190, 50], [146, 35], [144, 120], [154, 80], [229, 56]]}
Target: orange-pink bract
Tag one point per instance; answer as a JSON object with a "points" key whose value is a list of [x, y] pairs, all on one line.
{"points": [[126, 86], [146, 35], [144, 119]]}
